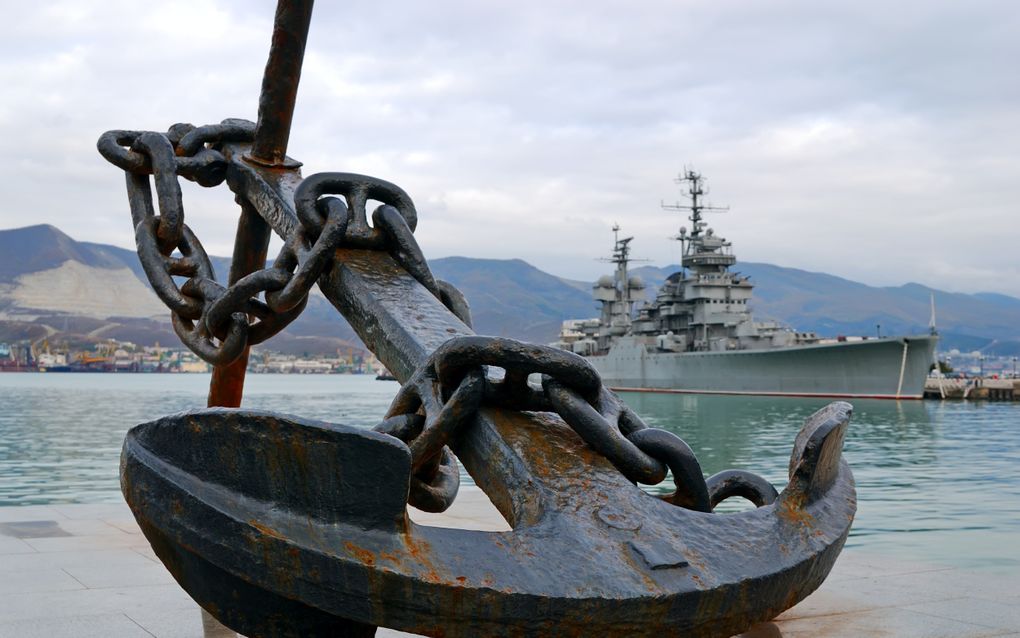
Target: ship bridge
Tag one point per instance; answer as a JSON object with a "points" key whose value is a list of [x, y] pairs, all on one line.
{"points": [[709, 259]]}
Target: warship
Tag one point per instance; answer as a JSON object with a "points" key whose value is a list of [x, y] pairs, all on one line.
{"points": [[698, 334]]}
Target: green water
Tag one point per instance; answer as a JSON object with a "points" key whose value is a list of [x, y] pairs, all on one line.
{"points": [[937, 482]]}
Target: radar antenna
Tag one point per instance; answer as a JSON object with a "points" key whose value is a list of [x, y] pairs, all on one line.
{"points": [[696, 189], [691, 242], [621, 250]]}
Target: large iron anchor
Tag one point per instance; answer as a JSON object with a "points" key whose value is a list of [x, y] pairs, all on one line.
{"points": [[286, 527], [280, 526]]}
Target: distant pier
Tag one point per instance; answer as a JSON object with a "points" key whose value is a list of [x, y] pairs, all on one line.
{"points": [[976, 389]]}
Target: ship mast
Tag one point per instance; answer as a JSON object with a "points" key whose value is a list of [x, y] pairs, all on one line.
{"points": [[618, 293], [696, 190], [621, 257], [715, 298]]}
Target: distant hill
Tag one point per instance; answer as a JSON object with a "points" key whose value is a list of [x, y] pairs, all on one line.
{"points": [[52, 285], [25, 251], [512, 298]]}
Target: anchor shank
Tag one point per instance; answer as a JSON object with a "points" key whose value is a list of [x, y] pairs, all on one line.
{"points": [[403, 323], [521, 461]]}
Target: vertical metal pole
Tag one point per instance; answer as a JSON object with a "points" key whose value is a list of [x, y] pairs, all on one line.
{"points": [[272, 132], [280, 82], [250, 247]]}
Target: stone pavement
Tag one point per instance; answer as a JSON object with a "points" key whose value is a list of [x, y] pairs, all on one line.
{"points": [[85, 571]]}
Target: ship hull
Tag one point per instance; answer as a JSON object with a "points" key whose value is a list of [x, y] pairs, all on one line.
{"points": [[888, 368]]}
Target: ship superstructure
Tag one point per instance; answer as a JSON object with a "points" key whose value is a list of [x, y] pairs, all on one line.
{"points": [[691, 336], [618, 292]]}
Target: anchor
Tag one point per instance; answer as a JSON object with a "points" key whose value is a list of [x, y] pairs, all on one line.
{"points": [[283, 526]]}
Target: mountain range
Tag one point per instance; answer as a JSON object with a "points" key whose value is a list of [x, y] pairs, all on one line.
{"points": [[79, 292]]}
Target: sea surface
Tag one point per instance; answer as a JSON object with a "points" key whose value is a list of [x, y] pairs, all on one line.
{"points": [[937, 482]]}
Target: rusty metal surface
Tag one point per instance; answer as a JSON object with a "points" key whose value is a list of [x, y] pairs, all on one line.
{"points": [[281, 526], [280, 83], [307, 530], [250, 246]]}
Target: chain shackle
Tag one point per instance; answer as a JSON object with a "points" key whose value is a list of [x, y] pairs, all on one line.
{"points": [[403, 247], [454, 299], [356, 190], [393, 225]]}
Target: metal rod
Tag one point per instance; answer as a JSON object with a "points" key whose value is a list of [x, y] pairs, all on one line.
{"points": [[280, 82], [272, 132], [250, 247]]}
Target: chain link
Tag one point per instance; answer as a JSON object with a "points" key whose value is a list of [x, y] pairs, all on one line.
{"points": [[392, 229], [433, 487], [211, 320], [445, 393], [218, 323]]}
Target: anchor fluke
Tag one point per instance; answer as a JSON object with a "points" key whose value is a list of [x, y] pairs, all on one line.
{"points": [[818, 452]]}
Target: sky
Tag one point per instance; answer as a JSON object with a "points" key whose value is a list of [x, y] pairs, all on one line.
{"points": [[876, 141]]}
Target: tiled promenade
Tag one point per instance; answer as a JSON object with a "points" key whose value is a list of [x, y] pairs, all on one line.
{"points": [[84, 571]]}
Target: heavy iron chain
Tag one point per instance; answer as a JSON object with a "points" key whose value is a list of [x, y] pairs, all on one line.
{"points": [[213, 321], [445, 393]]}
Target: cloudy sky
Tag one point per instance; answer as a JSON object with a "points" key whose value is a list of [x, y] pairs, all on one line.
{"points": [[873, 140]]}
